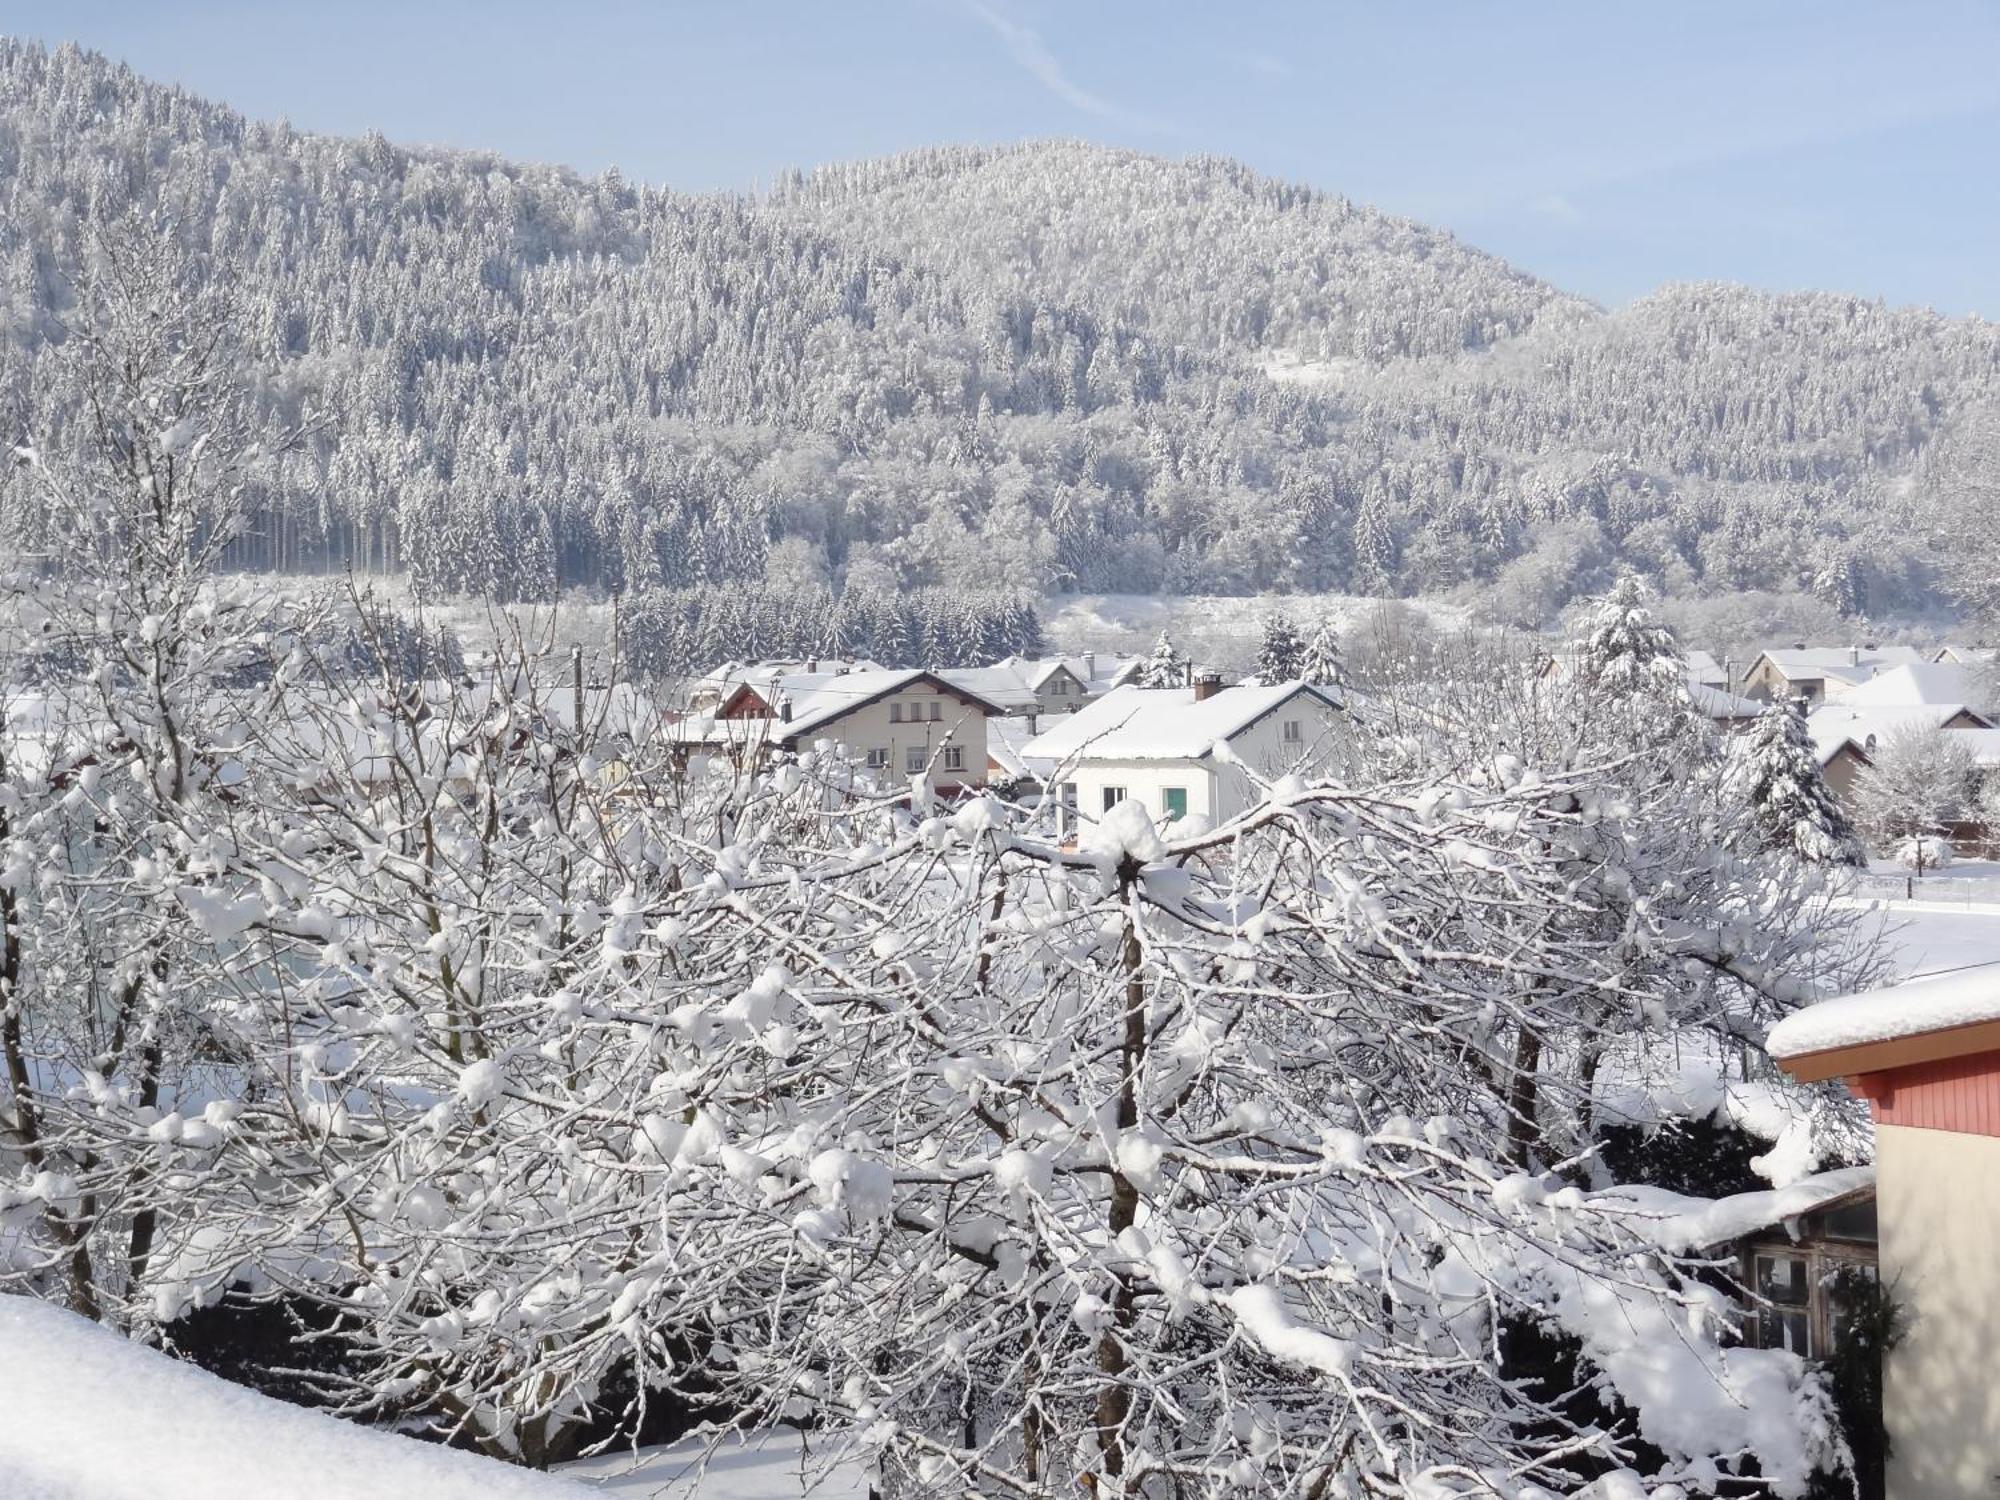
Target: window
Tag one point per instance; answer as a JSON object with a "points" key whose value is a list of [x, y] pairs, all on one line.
{"points": [[913, 758], [1113, 795], [1784, 1282], [1059, 687], [878, 758], [1066, 812], [954, 758], [937, 710], [895, 713], [1293, 732], [1173, 801]]}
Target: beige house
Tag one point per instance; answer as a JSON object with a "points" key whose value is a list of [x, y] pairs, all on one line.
{"points": [[1925, 1054], [1821, 674], [896, 724]]}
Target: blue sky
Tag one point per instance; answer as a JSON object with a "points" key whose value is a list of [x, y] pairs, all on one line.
{"points": [[1607, 146]]}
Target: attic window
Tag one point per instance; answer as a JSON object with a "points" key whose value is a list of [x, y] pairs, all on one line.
{"points": [[1294, 734]]}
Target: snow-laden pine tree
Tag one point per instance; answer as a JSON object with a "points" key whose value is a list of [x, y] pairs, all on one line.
{"points": [[1780, 780], [1165, 667], [1322, 662], [1623, 651], [1281, 653]]}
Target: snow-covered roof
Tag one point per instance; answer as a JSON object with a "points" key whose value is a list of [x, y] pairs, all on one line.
{"points": [[1006, 741], [1915, 1007], [1704, 669], [720, 682], [1937, 683], [1842, 663], [1684, 1226], [1134, 723], [90, 1412], [1984, 744], [816, 699], [1001, 683], [1836, 724], [1714, 703]]}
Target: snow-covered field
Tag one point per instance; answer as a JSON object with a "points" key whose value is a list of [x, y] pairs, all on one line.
{"points": [[1931, 937]]}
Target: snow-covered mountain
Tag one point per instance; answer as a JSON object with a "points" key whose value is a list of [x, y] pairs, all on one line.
{"points": [[1049, 365]]}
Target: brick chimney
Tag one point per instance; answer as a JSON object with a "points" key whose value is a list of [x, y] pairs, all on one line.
{"points": [[1206, 686]]}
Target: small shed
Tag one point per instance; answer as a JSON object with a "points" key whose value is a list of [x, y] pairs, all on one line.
{"points": [[1925, 1054]]}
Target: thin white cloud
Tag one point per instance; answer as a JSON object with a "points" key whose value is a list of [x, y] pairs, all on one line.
{"points": [[1263, 62], [1558, 207], [1027, 48]]}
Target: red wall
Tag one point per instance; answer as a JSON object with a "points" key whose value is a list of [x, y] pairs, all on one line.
{"points": [[1958, 1093]]}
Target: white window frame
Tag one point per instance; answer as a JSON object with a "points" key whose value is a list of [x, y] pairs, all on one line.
{"points": [[914, 759], [878, 758]]}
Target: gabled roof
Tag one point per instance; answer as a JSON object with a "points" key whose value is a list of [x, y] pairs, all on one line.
{"points": [[818, 699], [1134, 723]]}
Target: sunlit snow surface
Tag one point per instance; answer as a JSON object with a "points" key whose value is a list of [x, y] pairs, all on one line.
{"points": [[88, 1415], [766, 1466]]}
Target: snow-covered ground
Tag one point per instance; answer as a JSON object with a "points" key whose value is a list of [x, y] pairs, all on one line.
{"points": [[88, 1415], [767, 1466], [1932, 937]]}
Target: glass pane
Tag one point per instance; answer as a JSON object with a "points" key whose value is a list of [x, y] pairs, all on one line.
{"points": [[1788, 1328], [1174, 801], [1782, 1278]]}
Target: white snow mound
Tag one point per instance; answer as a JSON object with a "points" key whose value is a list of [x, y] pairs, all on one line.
{"points": [[92, 1416]]}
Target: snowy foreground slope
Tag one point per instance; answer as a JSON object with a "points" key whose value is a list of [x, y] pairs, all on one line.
{"points": [[87, 1415]]}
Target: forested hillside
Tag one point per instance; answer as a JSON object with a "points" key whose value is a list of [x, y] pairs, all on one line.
{"points": [[1051, 366]]}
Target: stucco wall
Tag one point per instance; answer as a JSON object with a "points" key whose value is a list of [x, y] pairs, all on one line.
{"points": [[1939, 1195], [872, 727], [1216, 790], [1145, 781]]}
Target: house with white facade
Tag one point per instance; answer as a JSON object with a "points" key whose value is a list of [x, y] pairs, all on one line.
{"points": [[1194, 752], [896, 723]]}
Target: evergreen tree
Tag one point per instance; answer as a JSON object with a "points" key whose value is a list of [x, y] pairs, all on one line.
{"points": [[1281, 657], [1166, 667], [1322, 663], [1625, 652], [1790, 804]]}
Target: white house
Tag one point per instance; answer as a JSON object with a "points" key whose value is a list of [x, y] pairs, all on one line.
{"points": [[1186, 752]]}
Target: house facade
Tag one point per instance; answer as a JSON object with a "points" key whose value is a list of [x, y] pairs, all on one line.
{"points": [[1925, 1055], [895, 724]]}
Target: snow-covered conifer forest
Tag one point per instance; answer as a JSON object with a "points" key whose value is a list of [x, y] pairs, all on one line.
{"points": [[520, 1084], [1039, 367]]}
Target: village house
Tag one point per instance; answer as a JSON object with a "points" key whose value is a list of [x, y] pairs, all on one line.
{"points": [[1708, 688], [1043, 686], [1199, 751], [895, 723], [1925, 1055], [1821, 674]]}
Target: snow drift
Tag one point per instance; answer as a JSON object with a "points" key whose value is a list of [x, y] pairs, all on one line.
{"points": [[91, 1416]]}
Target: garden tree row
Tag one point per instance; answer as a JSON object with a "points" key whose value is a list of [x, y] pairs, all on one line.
{"points": [[1210, 1164], [999, 369]]}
